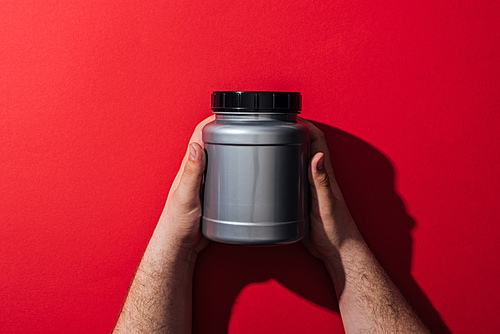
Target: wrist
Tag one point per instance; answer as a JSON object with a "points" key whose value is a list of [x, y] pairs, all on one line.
{"points": [[346, 238], [167, 247], [345, 231], [177, 251], [183, 238], [187, 255]]}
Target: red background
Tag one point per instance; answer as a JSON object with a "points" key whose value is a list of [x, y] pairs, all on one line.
{"points": [[97, 103]]}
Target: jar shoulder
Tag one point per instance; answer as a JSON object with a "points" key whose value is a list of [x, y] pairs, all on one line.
{"points": [[256, 132]]}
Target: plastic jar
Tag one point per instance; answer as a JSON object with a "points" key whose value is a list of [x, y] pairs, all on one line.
{"points": [[256, 185]]}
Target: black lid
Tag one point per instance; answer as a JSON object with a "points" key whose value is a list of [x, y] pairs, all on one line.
{"points": [[272, 102]]}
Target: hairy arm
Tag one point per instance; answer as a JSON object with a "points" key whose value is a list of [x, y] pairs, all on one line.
{"points": [[369, 301], [160, 296]]}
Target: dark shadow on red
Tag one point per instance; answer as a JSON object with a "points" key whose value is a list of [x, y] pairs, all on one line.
{"points": [[366, 178]]}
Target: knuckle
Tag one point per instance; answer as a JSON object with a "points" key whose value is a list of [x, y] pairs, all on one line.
{"points": [[322, 180], [187, 172]]}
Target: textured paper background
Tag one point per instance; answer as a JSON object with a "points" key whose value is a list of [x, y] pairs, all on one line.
{"points": [[98, 100]]}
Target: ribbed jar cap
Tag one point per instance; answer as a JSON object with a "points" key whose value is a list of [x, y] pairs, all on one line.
{"points": [[250, 101]]}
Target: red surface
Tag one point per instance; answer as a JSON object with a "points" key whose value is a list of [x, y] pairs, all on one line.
{"points": [[97, 102]]}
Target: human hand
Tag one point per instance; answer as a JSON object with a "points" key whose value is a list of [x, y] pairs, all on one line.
{"points": [[331, 221], [159, 297], [179, 224], [365, 293]]}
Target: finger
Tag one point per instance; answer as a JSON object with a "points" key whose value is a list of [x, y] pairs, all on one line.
{"points": [[196, 137], [187, 193], [321, 190], [197, 133], [318, 140], [318, 144], [316, 133]]}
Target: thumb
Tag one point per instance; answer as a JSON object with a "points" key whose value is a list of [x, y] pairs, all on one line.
{"points": [[321, 190], [188, 191]]}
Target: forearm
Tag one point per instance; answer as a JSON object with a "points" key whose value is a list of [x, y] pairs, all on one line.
{"points": [[369, 301], [160, 296]]}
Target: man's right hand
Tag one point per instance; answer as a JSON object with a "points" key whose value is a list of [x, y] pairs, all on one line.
{"points": [[331, 222], [369, 301]]}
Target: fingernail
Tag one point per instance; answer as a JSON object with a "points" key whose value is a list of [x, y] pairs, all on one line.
{"points": [[321, 162], [192, 152]]}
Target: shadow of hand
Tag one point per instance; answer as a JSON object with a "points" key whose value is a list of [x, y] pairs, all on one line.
{"points": [[366, 178]]}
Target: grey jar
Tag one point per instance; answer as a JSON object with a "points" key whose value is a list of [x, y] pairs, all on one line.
{"points": [[256, 185]]}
